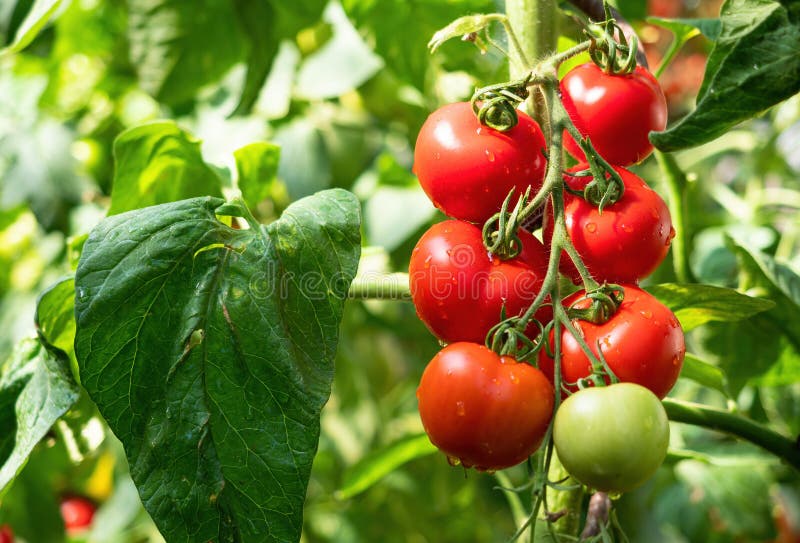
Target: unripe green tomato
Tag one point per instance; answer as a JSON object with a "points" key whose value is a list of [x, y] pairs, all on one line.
{"points": [[612, 438]]}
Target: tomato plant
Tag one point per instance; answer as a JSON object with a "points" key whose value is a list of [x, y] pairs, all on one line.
{"points": [[205, 320], [467, 169], [77, 512], [626, 240], [484, 410], [611, 438], [642, 343], [616, 112], [460, 291]]}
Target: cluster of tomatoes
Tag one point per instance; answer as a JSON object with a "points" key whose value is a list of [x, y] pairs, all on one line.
{"points": [[488, 411]]}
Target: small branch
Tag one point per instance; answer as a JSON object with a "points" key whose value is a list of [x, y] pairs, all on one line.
{"points": [[380, 286], [676, 195], [736, 425]]}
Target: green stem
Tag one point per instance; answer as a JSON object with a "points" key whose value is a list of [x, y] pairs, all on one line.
{"points": [[535, 30], [676, 195], [380, 286], [724, 421]]}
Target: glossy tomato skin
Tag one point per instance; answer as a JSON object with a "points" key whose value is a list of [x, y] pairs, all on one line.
{"points": [[467, 169], [626, 241], [642, 343], [483, 410], [77, 513], [6, 534], [459, 291], [611, 438], [616, 112]]}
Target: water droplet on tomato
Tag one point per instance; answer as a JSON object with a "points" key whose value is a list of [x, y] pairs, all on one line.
{"points": [[453, 461], [671, 235], [513, 378], [489, 155], [591, 227], [676, 360], [479, 130], [646, 313], [460, 409], [627, 228]]}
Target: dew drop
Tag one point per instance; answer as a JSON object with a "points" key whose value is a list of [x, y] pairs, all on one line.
{"points": [[460, 409], [513, 378], [591, 227], [671, 235], [627, 228], [82, 293], [647, 314], [453, 461], [489, 155], [479, 130]]}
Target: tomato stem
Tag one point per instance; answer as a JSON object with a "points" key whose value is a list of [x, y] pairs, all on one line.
{"points": [[736, 425], [677, 184]]}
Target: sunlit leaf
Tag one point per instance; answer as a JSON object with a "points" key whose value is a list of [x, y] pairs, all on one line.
{"points": [[156, 163], [209, 351], [381, 462]]}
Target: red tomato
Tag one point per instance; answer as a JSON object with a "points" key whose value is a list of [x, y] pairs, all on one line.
{"points": [[467, 169], [616, 112], [642, 343], [6, 534], [77, 513], [484, 410], [459, 290], [624, 243]]}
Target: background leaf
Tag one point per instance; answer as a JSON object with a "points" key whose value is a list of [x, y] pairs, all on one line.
{"points": [[36, 389], [383, 461], [39, 15], [695, 305], [177, 46], [157, 163], [219, 357], [754, 65]]}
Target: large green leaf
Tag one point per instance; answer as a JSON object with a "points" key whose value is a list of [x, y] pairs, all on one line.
{"points": [[36, 389], [156, 163], [177, 46], [694, 305], [753, 66], [209, 351]]}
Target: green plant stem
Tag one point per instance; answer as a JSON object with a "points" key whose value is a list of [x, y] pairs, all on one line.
{"points": [[380, 286], [535, 29], [724, 421], [676, 195]]}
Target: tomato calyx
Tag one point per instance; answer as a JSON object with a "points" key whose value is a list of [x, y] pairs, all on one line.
{"points": [[603, 303], [496, 105], [610, 48], [509, 337], [606, 187]]}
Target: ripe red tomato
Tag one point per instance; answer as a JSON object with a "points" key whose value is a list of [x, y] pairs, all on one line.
{"points": [[624, 243], [6, 534], [616, 112], [642, 343], [484, 410], [77, 513], [611, 438], [459, 291], [467, 169]]}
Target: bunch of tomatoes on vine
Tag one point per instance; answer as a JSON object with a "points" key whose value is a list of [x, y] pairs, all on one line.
{"points": [[550, 344]]}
